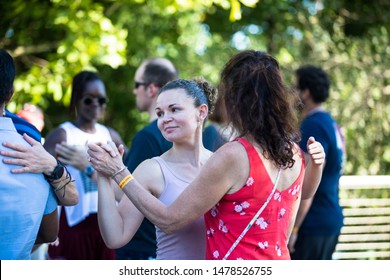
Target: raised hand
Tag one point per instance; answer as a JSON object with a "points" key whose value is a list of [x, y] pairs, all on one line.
{"points": [[315, 151], [106, 158]]}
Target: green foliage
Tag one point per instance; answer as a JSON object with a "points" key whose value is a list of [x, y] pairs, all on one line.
{"points": [[53, 40]]}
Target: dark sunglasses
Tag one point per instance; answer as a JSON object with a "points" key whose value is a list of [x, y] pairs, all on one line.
{"points": [[87, 100], [138, 84]]}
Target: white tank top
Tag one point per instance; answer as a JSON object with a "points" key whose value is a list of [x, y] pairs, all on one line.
{"points": [[87, 189]]}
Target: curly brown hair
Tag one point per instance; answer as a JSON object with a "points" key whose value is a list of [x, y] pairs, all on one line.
{"points": [[260, 106]]}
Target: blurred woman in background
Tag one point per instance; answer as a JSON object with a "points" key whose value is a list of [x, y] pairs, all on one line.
{"points": [[79, 236]]}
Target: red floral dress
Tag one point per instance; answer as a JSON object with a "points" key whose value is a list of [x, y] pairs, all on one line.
{"points": [[267, 238]]}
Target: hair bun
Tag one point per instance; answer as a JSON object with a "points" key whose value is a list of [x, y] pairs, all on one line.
{"points": [[210, 91]]}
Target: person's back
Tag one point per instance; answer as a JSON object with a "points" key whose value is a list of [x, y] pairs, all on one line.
{"points": [[25, 199], [23, 126], [266, 164], [27, 202], [267, 238], [320, 220]]}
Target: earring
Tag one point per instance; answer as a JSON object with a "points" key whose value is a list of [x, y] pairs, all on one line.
{"points": [[3, 112]]}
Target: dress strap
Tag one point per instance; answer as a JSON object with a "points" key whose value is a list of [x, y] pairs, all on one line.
{"points": [[248, 146]]}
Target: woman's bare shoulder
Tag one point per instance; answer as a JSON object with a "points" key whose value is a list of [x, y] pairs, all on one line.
{"points": [[149, 174], [232, 150], [230, 156]]}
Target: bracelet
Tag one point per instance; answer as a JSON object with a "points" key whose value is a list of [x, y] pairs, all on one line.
{"points": [[119, 171], [295, 230], [125, 180], [57, 172], [60, 187]]}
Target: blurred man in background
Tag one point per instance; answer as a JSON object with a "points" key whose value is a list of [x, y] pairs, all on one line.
{"points": [[320, 219]]}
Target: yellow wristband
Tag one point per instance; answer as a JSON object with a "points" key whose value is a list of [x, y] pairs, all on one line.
{"points": [[125, 180], [295, 229]]}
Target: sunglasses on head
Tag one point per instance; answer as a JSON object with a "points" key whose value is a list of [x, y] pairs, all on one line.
{"points": [[138, 84], [87, 100]]}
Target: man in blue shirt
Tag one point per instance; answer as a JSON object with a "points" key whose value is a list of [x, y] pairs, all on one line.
{"points": [[320, 219], [28, 205]]}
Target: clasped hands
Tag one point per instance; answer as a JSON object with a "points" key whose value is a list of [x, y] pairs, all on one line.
{"points": [[106, 158]]}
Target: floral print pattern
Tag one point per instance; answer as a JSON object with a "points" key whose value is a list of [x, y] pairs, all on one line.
{"points": [[295, 190], [240, 207], [263, 224], [281, 213], [250, 182], [222, 227], [267, 238], [263, 245]]}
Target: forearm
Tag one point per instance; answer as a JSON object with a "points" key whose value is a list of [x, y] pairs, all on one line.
{"points": [[65, 189], [118, 193], [195, 200], [111, 223], [154, 210], [295, 225], [142, 197], [68, 196], [312, 179], [315, 158], [302, 212]]}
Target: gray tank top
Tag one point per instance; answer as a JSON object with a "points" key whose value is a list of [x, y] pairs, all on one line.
{"points": [[188, 243]]}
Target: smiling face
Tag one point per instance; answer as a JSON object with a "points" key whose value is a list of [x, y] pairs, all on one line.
{"points": [[92, 104], [178, 119]]}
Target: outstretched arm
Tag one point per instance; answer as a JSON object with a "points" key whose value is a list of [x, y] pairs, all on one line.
{"points": [[35, 159], [221, 172], [315, 160], [117, 223]]}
